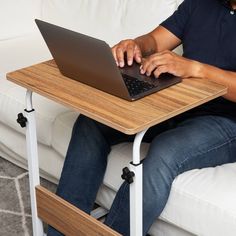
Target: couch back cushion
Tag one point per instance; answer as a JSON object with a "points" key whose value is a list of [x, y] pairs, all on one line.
{"points": [[17, 17], [110, 20]]}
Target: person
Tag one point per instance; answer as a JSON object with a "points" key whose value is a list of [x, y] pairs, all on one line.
{"points": [[202, 137]]}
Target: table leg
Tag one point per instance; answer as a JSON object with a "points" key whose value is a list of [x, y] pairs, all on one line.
{"points": [[33, 166], [136, 189]]}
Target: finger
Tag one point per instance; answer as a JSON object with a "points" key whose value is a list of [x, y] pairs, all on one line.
{"points": [[137, 54], [150, 67], [120, 56], [113, 50], [154, 65], [160, 70], [130, 54], [153, 62]]}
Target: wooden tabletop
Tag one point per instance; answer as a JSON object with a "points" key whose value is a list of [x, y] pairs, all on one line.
{"points": [[127, 117]]}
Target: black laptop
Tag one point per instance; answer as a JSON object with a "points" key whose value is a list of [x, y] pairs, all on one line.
{"points": [[90, 61]]}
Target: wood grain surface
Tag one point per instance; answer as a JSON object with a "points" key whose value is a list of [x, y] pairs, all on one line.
{"points": [[127, 117], [67, 218]]}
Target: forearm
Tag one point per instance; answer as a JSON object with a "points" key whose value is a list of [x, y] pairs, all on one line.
{"points": [[158, 40], [147, 44], [227, 78]]}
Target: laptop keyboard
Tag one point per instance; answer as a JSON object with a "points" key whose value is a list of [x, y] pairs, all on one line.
{"points": [[136, 86]]}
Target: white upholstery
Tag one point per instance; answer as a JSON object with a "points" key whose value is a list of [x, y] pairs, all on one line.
{"points": [[22, 51], [202, 202], [106, 19], [12, 103], [16, 17]]}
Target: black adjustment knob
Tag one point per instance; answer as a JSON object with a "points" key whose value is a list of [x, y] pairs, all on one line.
{"points": [[127, 175], [21, 119]]}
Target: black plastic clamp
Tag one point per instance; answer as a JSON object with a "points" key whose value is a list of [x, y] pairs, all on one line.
{"points": [[21, 119], [127, 175]]}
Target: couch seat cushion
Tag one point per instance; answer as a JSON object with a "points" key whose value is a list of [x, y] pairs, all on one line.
{"points": [[204, 201]]}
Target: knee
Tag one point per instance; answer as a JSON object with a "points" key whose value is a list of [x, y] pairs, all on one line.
{"points": [[82, 122], [80, 126], [90, 126], [86, 127], [158, 176], [165, 155], [161, 162]]}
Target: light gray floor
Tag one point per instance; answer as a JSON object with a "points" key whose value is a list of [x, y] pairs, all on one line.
{"points": [[15, 214]]}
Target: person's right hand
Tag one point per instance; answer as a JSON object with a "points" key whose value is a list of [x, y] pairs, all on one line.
{"points": [[129, 48]]}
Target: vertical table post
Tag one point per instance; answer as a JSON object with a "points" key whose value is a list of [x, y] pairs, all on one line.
{"points": [[33, 166], [136, 189]]}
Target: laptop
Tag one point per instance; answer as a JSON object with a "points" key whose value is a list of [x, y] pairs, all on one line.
{"points": [[90, 61]]}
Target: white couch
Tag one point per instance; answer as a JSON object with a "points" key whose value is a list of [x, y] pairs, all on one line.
{"points": [[202, 202]]}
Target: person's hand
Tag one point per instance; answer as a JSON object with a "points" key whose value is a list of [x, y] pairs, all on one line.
{"points": [[170, 62], [129, 48]]}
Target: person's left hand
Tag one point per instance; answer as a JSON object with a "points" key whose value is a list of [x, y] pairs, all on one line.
{"points": [[170, 62]]}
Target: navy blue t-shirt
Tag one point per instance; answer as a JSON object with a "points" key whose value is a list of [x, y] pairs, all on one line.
{"points": [[207, 29]]}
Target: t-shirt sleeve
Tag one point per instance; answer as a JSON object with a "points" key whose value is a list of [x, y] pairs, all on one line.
{"points": [[177, 22]]}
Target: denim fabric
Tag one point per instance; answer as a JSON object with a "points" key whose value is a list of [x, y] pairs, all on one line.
{"points": [[176, 146]]}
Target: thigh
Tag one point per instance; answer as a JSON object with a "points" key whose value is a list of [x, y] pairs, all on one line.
{"points": [[195, 143]]}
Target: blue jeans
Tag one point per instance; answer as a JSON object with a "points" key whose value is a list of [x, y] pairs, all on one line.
{"points": [[178, 145]]}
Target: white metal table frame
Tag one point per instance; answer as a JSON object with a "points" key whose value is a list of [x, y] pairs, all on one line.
{"points": [[136, 188]]}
